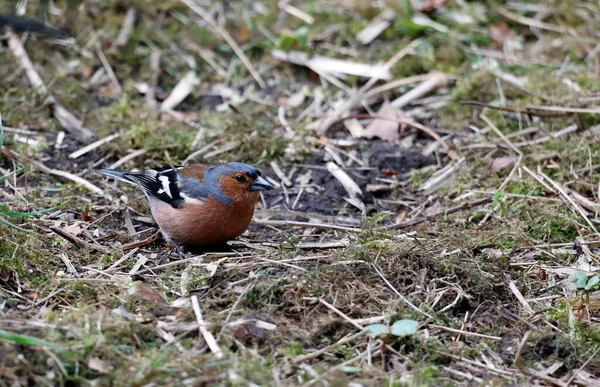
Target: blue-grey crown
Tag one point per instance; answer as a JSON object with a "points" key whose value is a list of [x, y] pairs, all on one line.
{"points": [[234, 167]]}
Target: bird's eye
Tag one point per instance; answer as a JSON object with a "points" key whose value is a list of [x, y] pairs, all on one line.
{"points": [[240, 178]]}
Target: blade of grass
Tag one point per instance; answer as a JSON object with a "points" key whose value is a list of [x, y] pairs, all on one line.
{"points": [[27, 340], [10, 214], [9, 224], [10, 173]]}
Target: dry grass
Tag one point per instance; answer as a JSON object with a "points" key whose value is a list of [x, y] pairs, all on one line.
{"points": [[468, 203]]}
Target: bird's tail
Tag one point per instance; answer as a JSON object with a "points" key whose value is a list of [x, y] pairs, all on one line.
{"points": [[115, 174]]}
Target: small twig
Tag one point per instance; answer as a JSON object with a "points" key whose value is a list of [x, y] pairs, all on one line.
{"points": [[108, 69], [49, 296], [344, 364], [570, 201], [126, 29], [569, 129], [512, 110], [78, 241], [451, 152], [465, 375], [313, 245], [70, 268], [155, 71], [499, 133], [354, 99], [452, 210], [319, 352], [434, 81], [350, 185], [127, 158], [180, 92], [233, 308], [16, 46], [142, 259], [69, 176], [208, 337], [513, 288], [121, 260], [520, 348], [507, 313], [339, 313], [293, 223], [283, 5], [524, 370], [234, 46], [538, 179], [67, 120], [143, 242], [404, 299], [582, 367], [88, 148]]}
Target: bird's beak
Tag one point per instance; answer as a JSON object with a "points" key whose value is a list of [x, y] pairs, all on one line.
{"points": [[261, 185]]}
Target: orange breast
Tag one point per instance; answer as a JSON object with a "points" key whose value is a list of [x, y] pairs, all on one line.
{"points": [[204, 223]]}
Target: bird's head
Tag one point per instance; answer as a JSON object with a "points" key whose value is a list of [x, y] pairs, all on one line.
{"points": [[239, 181]]}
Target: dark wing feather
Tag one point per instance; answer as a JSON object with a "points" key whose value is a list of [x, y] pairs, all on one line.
{"points": [[160, 183]]}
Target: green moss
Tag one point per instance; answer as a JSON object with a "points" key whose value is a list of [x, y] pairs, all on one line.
{"points": [[294, 348], [552, 230]]}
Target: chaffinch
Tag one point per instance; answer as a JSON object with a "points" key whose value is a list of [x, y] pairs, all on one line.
{"points": [[199, 204]]}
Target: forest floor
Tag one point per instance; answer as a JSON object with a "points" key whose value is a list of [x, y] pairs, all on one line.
{"points": [[435, 217]]}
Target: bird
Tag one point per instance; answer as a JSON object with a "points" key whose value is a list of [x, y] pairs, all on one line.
{"points": [[199, 204]]}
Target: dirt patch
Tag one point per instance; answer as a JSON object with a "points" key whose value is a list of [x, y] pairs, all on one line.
{"points": [[326, 194]]}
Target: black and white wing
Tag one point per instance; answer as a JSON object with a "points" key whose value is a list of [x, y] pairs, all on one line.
{"points": [[161, 184]]}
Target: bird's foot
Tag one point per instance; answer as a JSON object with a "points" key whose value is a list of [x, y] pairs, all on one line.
{"points": [[177, 251]]}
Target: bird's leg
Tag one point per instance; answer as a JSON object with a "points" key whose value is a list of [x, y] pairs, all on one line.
{"points": [[178, 249]]}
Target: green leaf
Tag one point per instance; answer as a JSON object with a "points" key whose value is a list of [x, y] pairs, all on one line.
{"points": [[375, 330], [286, 42], [498, 198], [592, 282], [351, 369], [302, 36], [27, 340], [405, 327], [581, 280]]}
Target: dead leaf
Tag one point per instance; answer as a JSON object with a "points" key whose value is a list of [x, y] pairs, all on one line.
{"points": [[540, 273], [296, 100], [244, 34], [99, 366], [304, 179], [502, 162], [379, 188], [73, 229], [386, 130], [6, 153], [431, 5], [400, 218], [499, 32], [249, 330], [389, 172], [145, 292]]}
